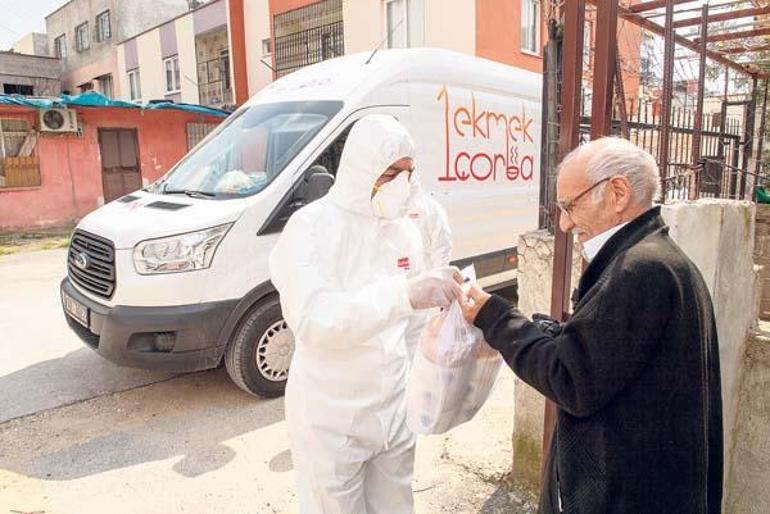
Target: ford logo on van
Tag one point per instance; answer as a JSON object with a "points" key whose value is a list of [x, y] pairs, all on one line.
{"points": [[82, 260]]}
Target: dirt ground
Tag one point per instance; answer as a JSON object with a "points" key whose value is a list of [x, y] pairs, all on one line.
{"points": [[34, 240], [79, 435]]}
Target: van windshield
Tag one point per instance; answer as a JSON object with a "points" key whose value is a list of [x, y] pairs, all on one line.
{"points": [[247, 151]]}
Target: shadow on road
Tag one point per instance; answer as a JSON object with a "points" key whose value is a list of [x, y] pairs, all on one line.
{"points": [[190, 417], [79, 375], [510, 499]]}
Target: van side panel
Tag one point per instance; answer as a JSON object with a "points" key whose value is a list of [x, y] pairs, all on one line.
{"points": [[478, 153]]}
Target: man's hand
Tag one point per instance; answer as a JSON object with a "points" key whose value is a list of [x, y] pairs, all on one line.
{"points": [[547, 324], [435, 288], [473, 301]]}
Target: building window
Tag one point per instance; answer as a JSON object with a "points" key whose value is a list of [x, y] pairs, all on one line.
{"points": [[267, 47], [18, 163], [105, 85], [588, 37], [18, 89], [60, 46], [224, 67], [134, 85], [82, 37], [103, 28], [404, 23], [197, 132], [530, 26], [171, 65], [308, 35]]}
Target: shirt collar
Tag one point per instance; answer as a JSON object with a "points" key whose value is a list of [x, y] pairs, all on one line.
{"points": [[592, 247]]}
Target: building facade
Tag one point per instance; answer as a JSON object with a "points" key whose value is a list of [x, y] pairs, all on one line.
{"points": [[29, 75], [32, 44], [84, 35], [281, 36], [186, 59], [51, 179]]}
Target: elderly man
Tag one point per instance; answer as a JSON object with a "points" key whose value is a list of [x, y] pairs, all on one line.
{"points": [[635, 370]]}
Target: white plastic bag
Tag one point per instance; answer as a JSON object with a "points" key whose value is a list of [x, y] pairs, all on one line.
{"points": [[452, 374]]}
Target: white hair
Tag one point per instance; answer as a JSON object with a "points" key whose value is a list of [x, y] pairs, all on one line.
{"points": [[620, 157]]}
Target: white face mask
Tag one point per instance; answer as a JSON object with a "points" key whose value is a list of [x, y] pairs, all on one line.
{"points": [[390, 200]]}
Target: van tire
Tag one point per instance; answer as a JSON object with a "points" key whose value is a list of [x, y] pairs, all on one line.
{"points": [[241, 353]]}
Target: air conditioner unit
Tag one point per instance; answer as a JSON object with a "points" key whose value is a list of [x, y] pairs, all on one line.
{"points": [[58, 120]]}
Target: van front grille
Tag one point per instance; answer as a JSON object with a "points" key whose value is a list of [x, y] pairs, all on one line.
{"points": [[91, 263]]}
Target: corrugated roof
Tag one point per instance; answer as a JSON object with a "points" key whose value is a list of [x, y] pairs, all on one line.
{"points": [[95, 99]]}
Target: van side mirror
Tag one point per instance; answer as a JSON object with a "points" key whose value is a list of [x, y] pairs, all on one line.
{"points": [[318, 181], [315, 183]]}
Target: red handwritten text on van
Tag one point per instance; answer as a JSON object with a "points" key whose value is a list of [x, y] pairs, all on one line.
{"points": [[471, 123]]}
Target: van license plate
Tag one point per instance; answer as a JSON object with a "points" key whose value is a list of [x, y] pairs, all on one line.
{"points": [[75, 309]]}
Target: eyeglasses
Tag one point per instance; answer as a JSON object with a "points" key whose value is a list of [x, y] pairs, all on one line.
{"points": [[393, 171], [566, 206]]}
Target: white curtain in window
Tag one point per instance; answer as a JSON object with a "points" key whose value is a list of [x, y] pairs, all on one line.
{"points": [[530, 25], [395, 15], [415, 17]]}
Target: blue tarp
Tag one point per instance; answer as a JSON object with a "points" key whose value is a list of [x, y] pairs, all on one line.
{"points": [[94, 99]]}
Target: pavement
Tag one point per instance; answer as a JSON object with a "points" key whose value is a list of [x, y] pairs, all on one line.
{"points": [[80, 435], [44, 365]]}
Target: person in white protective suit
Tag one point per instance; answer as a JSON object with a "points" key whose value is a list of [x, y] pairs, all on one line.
{"points": [[349, 269], [431, 220]]}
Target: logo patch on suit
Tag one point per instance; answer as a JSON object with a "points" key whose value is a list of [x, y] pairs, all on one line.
{"points": [[403, 263]]}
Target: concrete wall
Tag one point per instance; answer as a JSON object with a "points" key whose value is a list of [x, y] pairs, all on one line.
{"points": [[42, 73], [64, 20], [363, 23], [139, 15], [188, 67], [70, 166], [151, 71], [498, 34], [749, 468], [446, 24], [151, 50], [450, 24], [256, 23], [33, 44], [127, 19], [535, 279], [747, 482], [718, 235], [762, 258]]}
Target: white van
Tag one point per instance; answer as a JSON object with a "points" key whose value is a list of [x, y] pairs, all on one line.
{"points": [[175, 276]]}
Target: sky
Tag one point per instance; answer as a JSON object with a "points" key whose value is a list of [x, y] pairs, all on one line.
{"points": [[20, 17]]}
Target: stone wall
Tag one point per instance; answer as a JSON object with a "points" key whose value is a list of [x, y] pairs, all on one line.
{"points": [[535, 278]]}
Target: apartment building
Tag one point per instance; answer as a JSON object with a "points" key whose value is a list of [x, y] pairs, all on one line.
{"points": [[184, 59], [280, 36], [84, 34]]}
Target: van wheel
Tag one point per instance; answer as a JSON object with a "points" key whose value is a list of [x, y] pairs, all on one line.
{"points": [[258, 356]]}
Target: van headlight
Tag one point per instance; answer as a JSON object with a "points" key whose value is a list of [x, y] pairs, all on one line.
{"points": [[183, 252]]}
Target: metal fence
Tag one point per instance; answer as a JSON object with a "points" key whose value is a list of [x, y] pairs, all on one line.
{"points": [[309, 46], [214, 86], [717, 173], [197, 132]]}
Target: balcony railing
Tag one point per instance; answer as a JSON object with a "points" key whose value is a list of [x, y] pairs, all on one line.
{"points": [[309, 46], [214, 87]]}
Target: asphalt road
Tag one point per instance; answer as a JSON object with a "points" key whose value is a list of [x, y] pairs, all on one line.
{"points": [[79, 435]]}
